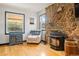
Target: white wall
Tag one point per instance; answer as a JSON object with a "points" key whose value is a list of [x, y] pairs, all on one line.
{"points": [[4, 38]]}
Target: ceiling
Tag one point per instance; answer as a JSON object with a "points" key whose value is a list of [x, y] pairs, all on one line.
{"points": [[34, 7]]}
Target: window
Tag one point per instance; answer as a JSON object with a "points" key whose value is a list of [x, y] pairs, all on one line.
{"points": [[42, 21], [14, 22]]}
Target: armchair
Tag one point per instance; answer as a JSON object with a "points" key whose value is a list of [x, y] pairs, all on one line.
{"points": [[34, 37]]}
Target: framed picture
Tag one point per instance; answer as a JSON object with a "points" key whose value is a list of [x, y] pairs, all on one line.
{"points": [[14, 22], [31, 20]]}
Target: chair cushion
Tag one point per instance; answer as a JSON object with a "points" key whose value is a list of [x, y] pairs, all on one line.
{"points": [[35, 32], [33, 36]]}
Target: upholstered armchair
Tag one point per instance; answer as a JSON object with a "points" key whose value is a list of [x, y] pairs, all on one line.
{"points": [[34, 37]]}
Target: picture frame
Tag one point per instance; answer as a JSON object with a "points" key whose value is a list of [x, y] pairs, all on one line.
{"points": [[31, 20], [14, 22]]}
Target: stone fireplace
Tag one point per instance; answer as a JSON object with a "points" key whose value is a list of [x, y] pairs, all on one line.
{"points": [[61, 16]]}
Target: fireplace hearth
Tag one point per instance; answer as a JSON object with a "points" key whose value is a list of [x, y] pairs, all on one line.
{"points": [[57, 39]]}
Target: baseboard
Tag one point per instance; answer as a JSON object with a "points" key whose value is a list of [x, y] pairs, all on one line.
{"points": [[25, 41], [44, 41], [8, 43], [4, 44]]}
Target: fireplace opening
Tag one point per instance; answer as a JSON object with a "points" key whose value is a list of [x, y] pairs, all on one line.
{"points": [[57, 39]]}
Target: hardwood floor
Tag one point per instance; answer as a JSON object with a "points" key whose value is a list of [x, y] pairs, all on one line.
{"points": [[29, 50]]}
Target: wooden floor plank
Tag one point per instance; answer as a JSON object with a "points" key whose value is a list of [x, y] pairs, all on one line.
{"points": [[29, 50]]}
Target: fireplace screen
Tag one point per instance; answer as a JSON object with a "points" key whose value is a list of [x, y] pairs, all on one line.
{"points": [[54, 42]]}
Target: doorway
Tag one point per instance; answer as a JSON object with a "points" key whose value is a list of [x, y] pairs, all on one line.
{"points": [[42, 26]]}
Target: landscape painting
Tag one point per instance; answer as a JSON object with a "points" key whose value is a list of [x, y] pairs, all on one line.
{"points": [[14, 22]]}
